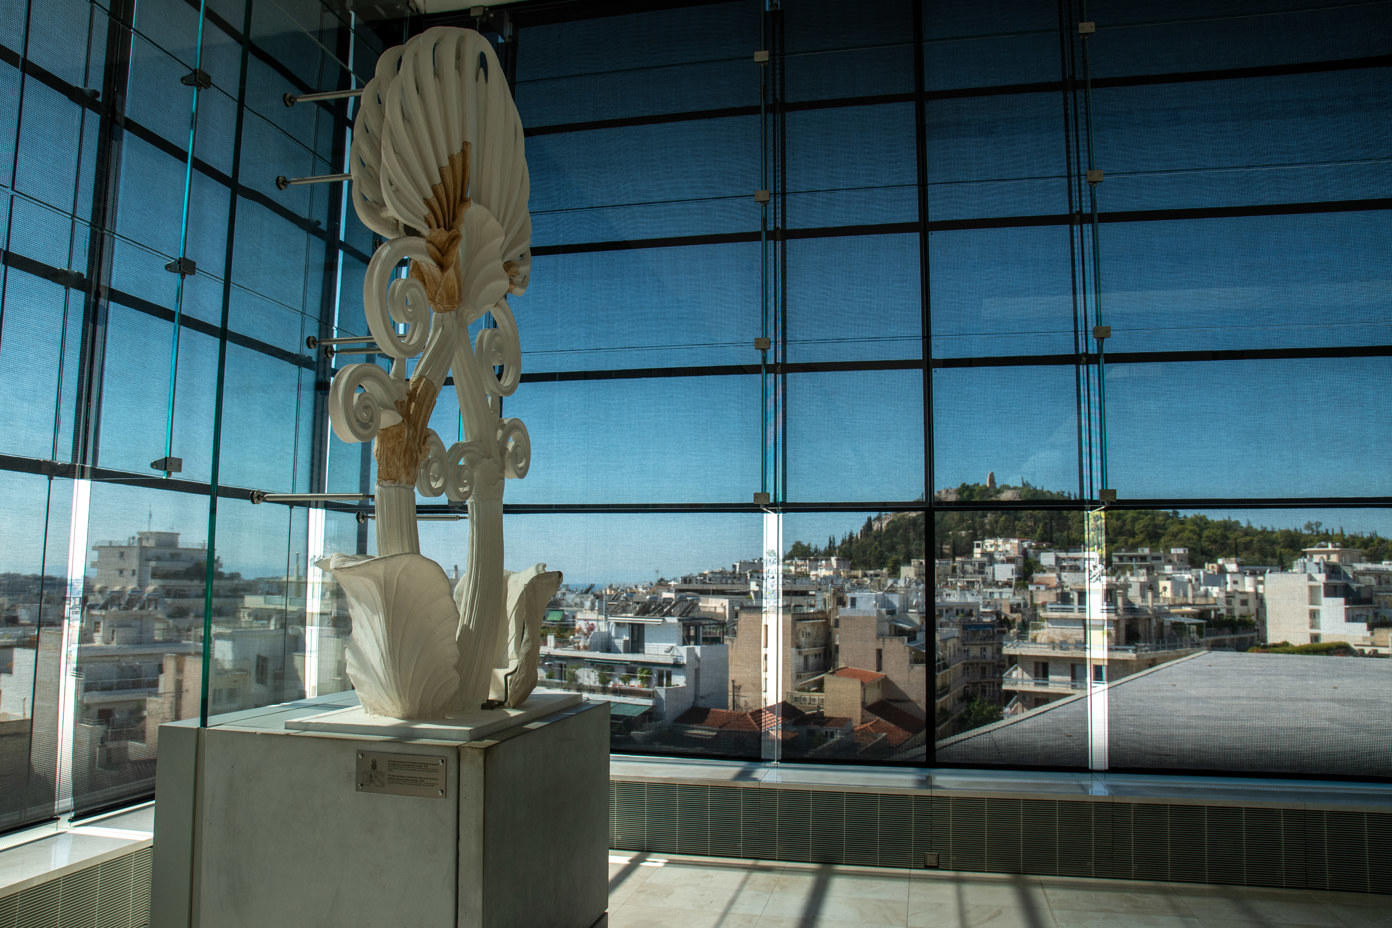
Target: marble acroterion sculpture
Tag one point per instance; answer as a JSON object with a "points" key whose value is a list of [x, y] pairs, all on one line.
{"points": [[438, 171]]}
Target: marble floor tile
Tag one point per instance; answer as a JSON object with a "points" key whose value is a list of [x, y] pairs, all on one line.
{"points": [[656, 891], [1262, 908], [700, 896], [1072, 918], [833, 882], [1114, 898], [999, 914], [633, 915], [625, 876], [809, 903]]}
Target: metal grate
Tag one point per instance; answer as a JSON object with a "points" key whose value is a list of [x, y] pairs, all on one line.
{"points": [[77, 899], [114, 894]]}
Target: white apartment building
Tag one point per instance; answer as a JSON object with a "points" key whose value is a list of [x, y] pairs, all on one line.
{"points": [[1317, 601]]}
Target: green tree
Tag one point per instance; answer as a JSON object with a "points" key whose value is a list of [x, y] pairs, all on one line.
{"points": [[604, 675], [645, 677], [800, 549], [979, 712]]}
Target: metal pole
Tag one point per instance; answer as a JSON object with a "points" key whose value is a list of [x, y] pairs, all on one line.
{"points": [[261, 496], [422, 516], [312, 342], [292, 98], [330, 351], [282, 181]]}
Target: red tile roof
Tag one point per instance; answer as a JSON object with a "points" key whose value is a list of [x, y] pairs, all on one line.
{"points": [[855, 673], [765, 719], [769, 717], [893, 733]]}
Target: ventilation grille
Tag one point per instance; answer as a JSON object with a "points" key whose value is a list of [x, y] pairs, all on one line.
{"points": [[115, 894], [1292, 848]]}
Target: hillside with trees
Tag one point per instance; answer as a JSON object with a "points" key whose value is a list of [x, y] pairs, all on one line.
{"points": [[887, 542]]}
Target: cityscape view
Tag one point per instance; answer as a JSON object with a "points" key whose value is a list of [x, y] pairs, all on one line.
{"points": [[992, 651]]}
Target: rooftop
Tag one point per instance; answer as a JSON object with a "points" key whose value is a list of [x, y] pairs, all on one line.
{"points": [[855, 673], [1214, 710]]}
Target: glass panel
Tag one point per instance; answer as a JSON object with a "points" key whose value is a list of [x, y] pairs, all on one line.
{"points": [[1011, 590], [139, 659], [834, 178], [586, 448], [1132, 39], [832, 316], [641, 308], [1231, 623], [856, 638], [1162, 150], [655, 616], [1006, 291], [884, 463], [32, 371], [671, 186], [1042, 453], [831, 55], [1320, 279], [33, 585], [997, 156], [1267, 449]]}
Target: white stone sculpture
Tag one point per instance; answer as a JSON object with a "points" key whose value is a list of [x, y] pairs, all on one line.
{"points": [[438, 170]]}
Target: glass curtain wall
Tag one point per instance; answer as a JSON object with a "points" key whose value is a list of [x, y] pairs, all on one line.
{"points": [[158, 288], [1101, 291], [1100, 294]]}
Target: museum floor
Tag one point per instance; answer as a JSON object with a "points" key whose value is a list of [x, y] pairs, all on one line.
{"points": [[658, 891]]}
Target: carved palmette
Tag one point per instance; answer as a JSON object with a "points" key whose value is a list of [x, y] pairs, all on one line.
{"points": [[439, 171]]}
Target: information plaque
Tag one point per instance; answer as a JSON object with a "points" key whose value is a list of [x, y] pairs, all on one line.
{"points": [[402, 774]]}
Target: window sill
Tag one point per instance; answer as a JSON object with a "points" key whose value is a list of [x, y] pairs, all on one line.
{"points": [[53, 850]]}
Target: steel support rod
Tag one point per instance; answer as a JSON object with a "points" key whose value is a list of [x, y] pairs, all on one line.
{"points": [[330, 351], [282, 181], [313, 342], [261, 496], [422, 516], [292, 98]]}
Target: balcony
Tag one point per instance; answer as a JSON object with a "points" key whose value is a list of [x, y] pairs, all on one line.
{"points": [[1017, 679], [1113, 651]]}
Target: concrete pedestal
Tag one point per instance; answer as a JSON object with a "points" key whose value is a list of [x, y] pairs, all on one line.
{"points": [[259, 825]]}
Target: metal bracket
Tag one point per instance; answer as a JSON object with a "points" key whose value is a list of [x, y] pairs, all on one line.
{"points": [[477, 12], [184, 267], [170, 465], [1106, 495], [761, 196], [762, 499], [197, 78], [761, 56], [1087, 28], [1094, 175], [1101, 332], [763, 343]]}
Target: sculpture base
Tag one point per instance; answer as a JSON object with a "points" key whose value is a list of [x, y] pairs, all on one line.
{"points": [[260, 825], [460, 726]]}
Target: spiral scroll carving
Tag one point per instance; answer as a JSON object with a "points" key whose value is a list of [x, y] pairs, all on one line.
{"points": [[517, 448], [388, 301], [359, 416]]}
